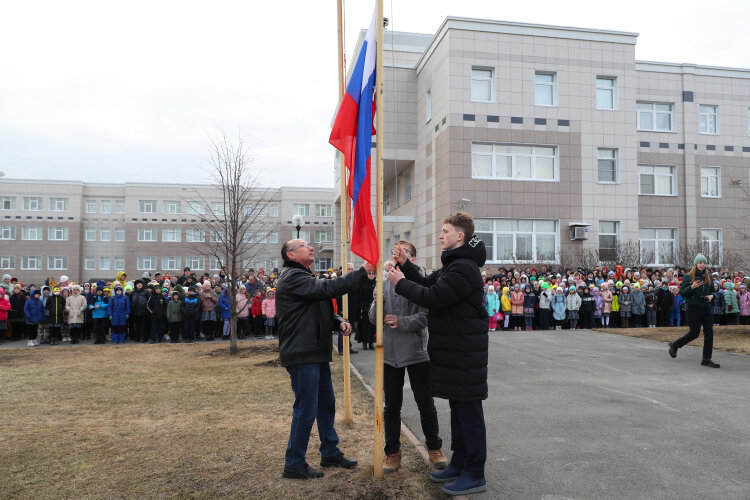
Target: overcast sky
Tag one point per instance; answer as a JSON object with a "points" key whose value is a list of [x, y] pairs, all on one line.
{"points": [[129, 91]]}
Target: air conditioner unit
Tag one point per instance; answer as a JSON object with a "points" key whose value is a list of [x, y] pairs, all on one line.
{"points": [[578, 233]]}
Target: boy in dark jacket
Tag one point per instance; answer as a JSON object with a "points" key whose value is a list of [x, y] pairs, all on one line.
{"points": [[664, 300], [174, 317], [191, 315], [155, 307], [55, 315], [34, 311], [458, 345], [98, 305]]}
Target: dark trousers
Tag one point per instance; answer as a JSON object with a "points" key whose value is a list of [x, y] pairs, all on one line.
{"points": [[258, 326], [544, 319], [141, 328], [174, 331], [313, 400], [393, 388], [731, 318], [243, 326], [697, 317], [188, 330], [31, 330], [468, 437], [664, 315], [637, 320], [157, 328], [100, 330]]}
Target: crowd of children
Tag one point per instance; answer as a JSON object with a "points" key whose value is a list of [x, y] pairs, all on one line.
{"points": [[150, 309], [527, 299]]}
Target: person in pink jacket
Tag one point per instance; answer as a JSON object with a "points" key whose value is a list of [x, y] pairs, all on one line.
{"points": [[4, 308], [743, 298], [269, 312], [516, 301], [243, 312], [606, 305]]}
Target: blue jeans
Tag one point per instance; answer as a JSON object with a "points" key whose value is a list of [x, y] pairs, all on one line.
{"points": [[313, 400], [674, 318], [468, 437]]}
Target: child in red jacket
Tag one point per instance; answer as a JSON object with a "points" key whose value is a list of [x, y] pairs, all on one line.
{"points": [[256, 309]]}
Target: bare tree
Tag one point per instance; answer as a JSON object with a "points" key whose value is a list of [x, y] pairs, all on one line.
{"points": [[236, 221]]}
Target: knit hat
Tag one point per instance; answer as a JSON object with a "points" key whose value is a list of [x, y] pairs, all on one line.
{"points": [[700, 258], [38, 292], [545, 286], [6, 277], [56, 290], [636, 285]]}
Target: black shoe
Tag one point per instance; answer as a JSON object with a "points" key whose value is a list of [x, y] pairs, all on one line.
{"points": [[338, 461], [352, 351], [303, 471], [672, 350], [710, 364]]}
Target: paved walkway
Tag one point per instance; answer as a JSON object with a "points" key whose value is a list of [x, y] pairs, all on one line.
{"points": [[592, 415]]}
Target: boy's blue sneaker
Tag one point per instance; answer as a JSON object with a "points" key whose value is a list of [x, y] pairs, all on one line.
{"points": [[465, 485], [446, 475]]}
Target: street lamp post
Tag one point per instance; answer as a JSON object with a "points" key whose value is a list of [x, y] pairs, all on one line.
{"points": [[298, 222]]}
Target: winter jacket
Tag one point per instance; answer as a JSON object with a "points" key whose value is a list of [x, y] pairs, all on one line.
{"points": [[516, 300], [304, 312], [493, 304], [458, 343], [677, 302], [191, 308], [606, 301], [407, 343], [17, 301], [626, 303], [587, 303], [269, 307], [76, 307], [156, 305], [254, 287], [529, 303], [139, 303], [731, 305], [119, 309], [664, 299], [4, 307], [545, 297], [256, 307], [225, 306], [573, 302], [639, 302], [209, 300], [743, 299], [717, 304], [694, 297], [505, 301], [173, 313], [598, 304], [55, 309], [559, 306], [615, 302], [243, 308], [99, 306], [33, 309]]}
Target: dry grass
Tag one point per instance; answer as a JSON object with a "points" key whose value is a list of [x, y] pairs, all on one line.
{"points": [[172, 421], [726, 338]]}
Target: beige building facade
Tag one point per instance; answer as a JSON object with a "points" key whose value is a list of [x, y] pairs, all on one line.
{"points": [[557, 140], [92, 230]]}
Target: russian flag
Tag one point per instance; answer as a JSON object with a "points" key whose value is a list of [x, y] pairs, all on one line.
{"points": [[352, 135]]}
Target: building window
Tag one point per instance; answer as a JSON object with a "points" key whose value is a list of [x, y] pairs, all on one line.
{"points": [[195, 235], [323, 264], [545, 89], [7, 261], [120, 206], [261, 209], [119, 263], [33, 233], [105, 235], [32, 204], [304, 234], [214, 264], [31, 263], [514, 162], [710, 182], [708, 117], [324, 236], [248, 237], [273, 210], [90, 206], [711, 239], [606, 92], [273, 237], [7, 232], [147, 206], [58, 204], [609, 237], [119, 235], [407, 187], [407, 236], [218, 236], [482, 84], [657, 180], [195, 263], [386, 200], [196, 208], [7, 202], [172, 207], [90, 234], [654, 116], [261, 238], [57, 262], [104, 263], [89, 263], [607, 165], [57, 233], [106, 206], [428, 106], [147, 234], [522, 240], [146, 263], [301, 209], [171, 235], [171, 263], [658, 246], [218, 208], [323, 210]]}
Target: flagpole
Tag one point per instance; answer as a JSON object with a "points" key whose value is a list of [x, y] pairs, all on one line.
{"points": [[343, 202], [379, 354]]}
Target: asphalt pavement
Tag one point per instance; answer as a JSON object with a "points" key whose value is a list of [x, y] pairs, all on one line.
{"points": [[592, 415]]}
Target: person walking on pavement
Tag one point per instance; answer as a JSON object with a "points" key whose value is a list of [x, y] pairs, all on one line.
{"points": [[405, 343], [697, 290], [458, 345]]}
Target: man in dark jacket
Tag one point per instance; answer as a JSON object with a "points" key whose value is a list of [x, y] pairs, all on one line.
{"points": [[304, 311], [457, 346]]}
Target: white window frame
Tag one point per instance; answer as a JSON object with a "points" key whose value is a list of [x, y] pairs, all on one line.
{"points": [[195, 263], [321, 232], [601, 233], [146, 206], [89, 263], [322, 264], [106, 206], [710, 242], [26, 233], [273, 210], [218, 208], [7, 202], [302, 209], [614, 89], [172, 207], [195, 208], [29, 202], [146, 263], [552, 85], [57, 262], [386, 200], [497, 153], [214, 264], [58, 204], [119, 234], [195, 236], [673, 175], [105, 234], [26, 263], [7, 262], [323, 210], [57, 233], [120, 206], [716, 177], [89, 234], [218, 236], [704, 112], [273, 264], [143, 231], [304, 234], [482, 79], [7, 232], [105, 264], [654, 114], [615, 157], [495, 232], [171, 263], [273, 237], [428, 106], [176, 232], [90, 206], [119, 263], [657, 240]]}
